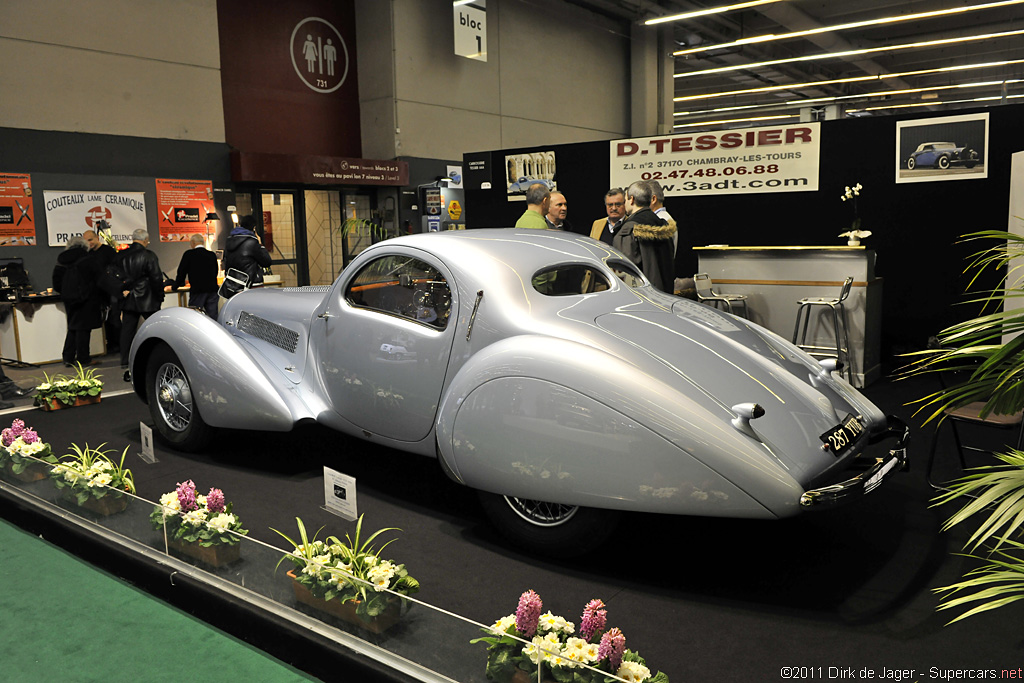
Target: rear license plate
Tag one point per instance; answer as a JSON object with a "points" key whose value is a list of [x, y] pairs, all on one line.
{"points": [[842, 436]]}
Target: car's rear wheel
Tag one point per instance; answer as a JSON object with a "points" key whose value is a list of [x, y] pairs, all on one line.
{"points": [[549, 528], [943, 161], [174, 411], [911, 163]]}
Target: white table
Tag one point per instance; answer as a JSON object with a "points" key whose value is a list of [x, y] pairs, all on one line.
{"points": [[33, 332]]}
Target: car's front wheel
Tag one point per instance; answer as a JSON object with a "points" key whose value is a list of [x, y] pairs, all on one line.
{"points": [[943, 161], [171, 403], [549, 528], [911, 163]]}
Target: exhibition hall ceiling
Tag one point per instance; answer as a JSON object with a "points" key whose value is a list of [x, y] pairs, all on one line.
{"points": [[840, 58]]}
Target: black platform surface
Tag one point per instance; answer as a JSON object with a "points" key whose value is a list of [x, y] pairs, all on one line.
{"points": [[847, 590]]}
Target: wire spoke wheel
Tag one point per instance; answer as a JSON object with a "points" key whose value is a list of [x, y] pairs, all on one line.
{"points": [[174, 397], [540, 513]]}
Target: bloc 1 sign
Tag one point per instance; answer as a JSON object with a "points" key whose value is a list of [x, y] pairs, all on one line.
{"points": [[471, 29]]}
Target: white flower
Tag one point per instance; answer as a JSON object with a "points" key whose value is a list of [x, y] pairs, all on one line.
{"points": [[580, 651], [552, 622], [381, 575], [501, 625], [222, 521], [45, 386], [634, 672], [102, 479], [201, 501], [194, 517], [32, 448]]}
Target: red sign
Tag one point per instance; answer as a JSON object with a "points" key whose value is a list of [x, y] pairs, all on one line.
{"points": [[17, 223], [183, 206]]}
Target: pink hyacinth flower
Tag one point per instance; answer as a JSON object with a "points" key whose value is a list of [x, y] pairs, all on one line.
{"points": [[594, 619], [613, 645], [528, 613], [215, 500], [29, 436], [187, 496]]}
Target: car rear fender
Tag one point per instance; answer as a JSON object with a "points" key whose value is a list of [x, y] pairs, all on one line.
{"points": [[229, 386], [555, 420]]}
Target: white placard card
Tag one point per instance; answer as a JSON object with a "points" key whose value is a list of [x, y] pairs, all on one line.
{"points": [[340, 494], [148, 455]]}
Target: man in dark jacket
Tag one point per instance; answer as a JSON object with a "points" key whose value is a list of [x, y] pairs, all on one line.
{"points": [[647, 239], [145, 290], [199, 266], [75, 277], [106, 254], [244, 251]]}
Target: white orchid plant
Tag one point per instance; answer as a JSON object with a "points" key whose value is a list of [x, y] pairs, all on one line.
{"points": [[850, 195]]}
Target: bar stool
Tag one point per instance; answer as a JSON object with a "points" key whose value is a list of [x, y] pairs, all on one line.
{"points": [[806, 305], [706, 293]]}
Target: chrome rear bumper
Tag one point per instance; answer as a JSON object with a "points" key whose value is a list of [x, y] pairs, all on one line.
{"points": [[865, 482]]}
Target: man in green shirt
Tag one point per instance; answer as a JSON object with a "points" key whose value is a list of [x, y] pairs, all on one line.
{"points": [[538, 197]]}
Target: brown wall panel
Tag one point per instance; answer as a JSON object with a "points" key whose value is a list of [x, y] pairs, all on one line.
{"points": [[273, 101]]}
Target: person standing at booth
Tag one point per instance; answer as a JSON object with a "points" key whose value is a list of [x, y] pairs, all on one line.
{"points": [[615, 206], [105, 255], [75, 277], [646, 239], [245, 252], [199, 266], [144, 291], [538, 198]]}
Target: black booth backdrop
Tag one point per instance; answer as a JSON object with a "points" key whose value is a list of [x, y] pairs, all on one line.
{"points": [[914, 226]]}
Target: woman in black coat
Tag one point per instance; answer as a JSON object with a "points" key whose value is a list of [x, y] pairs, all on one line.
{"points": [[75, 277]]}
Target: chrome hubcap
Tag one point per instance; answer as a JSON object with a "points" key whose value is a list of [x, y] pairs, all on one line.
{"points": [[539, 513], [174, 397]]}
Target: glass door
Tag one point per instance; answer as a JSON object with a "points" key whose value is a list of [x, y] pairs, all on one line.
{"points": [[277, 216]]}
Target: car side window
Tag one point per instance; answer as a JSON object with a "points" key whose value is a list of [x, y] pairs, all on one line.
{"points": [[569, 279], [627, 273], [403, 286]]}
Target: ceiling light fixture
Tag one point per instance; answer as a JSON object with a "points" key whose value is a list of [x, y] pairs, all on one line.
{"points": [[746, 120], [850, 53], [863, 96], [851, 79], [710, 10], [842, 27], [936, 104]]}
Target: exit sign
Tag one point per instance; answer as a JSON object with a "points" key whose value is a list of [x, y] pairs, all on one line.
{"points": [[470, 29]]}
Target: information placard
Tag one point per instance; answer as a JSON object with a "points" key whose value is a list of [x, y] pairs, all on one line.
{"points": [[470, 18], [340, 494], [72, 212], [17, 224], [739, 161], [183, 206]]}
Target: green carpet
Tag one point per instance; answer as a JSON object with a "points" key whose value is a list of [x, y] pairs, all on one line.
{"points": [[63, 620]]}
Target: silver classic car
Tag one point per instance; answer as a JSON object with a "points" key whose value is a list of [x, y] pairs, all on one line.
{"points": [[541, 369]]}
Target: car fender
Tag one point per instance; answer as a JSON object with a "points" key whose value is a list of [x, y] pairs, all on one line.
{"points": [[502, 429], [229, 386]]}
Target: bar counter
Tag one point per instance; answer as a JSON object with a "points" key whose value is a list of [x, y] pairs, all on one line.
{"points": [[775, 278]]}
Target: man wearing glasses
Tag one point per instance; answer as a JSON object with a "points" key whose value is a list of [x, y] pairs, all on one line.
{"points": [[615, 204]]}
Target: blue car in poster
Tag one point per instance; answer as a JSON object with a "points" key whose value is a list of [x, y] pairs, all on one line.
{"points": [[942, 155], [523, 184]]}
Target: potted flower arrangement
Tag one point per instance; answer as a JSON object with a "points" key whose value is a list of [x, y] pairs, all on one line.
{"points": [[23, 453], [854, 234], [91, 479], [62, 391], [201, 527], [349, 579], [520, 642]]}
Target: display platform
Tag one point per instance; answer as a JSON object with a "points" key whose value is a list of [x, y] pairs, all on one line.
{"points": [[700, 599]]}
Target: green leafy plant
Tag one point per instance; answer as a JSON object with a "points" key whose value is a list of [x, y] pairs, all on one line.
{"points": [[999, 490], [193, 518], [91, 473], [66, 389], [992, 372], [528, 639], [349, 570], [20, 446]]}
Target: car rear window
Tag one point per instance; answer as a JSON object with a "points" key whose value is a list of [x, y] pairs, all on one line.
{"points": [[569, 280]]}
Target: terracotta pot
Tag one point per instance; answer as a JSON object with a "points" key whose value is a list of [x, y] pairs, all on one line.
{"points": [[521, 676], [347, 611], [54, 404], [214, 555], [34, 471], [87, 400], [109, 504]]}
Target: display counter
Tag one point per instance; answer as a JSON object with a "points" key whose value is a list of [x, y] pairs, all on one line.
{"points": [[33, 330], [775, 278]]}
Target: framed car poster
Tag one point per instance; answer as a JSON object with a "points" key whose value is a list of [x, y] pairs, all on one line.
{"points": [[944, 148], [523, 170]]}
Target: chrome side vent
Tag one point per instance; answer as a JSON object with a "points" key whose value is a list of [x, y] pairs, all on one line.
{"points": [[321, 289], [272, 333]]}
